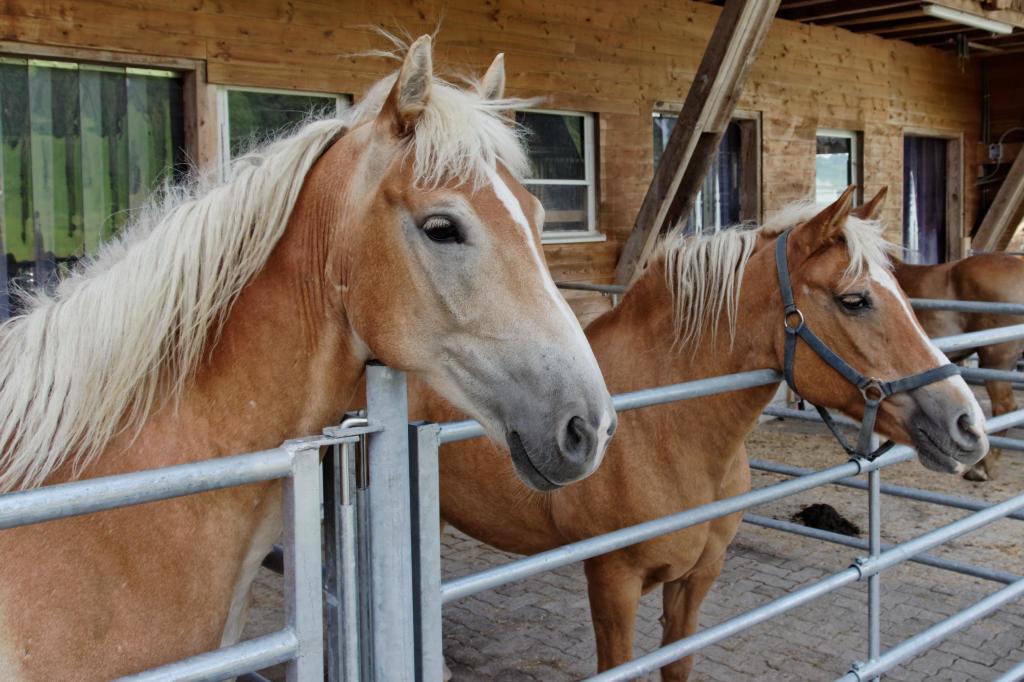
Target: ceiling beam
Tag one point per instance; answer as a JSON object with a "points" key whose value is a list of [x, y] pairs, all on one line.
{"points": [[841, 9], [710, 102]]}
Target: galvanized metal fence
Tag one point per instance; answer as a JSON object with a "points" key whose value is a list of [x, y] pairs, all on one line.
{"points": [[383, 592], [429, 593]]}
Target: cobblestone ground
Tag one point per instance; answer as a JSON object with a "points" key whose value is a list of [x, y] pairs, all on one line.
{"points": [[540, 629]]}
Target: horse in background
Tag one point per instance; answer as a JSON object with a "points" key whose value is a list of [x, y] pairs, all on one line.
{"points": [[230, 318], [708, 306], [997, 277]]}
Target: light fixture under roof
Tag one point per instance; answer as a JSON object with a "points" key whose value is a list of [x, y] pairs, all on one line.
{"points": [[967, 19]]}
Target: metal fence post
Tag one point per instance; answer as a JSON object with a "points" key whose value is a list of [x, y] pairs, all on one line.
{"points": [[424, 440], [340, 562], [302, 566], [874, 548], [389, 530]]}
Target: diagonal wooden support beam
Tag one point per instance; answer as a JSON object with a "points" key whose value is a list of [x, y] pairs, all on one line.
{"points": [[709, 105], [1005, 213]]}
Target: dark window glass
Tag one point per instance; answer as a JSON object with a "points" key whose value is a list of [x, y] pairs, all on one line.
{"points": [[82, 146], [718, 202], [558, 168], [254, 116], [924, 199]]}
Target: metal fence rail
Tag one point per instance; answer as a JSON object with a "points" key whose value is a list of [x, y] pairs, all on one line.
{"points": [[868, 568]]}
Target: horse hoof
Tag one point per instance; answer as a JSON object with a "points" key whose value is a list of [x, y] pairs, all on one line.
{"points": [[976, 474]]}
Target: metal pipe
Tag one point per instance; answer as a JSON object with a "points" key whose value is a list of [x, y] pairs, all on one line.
{"points": [[465, 586], [254, 654], [985, 337], [1014, 674], [921, 641], [972, 570], [423, 458], [123, 490], [922, 543], [985, 374], [645, 397], [886, 488], [1014, 444], [303, 565], [392, 634], [874, 549], [686, 646], [967, 306]]}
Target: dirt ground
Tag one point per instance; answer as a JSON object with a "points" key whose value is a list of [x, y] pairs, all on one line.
{"points": [[540, 629]]}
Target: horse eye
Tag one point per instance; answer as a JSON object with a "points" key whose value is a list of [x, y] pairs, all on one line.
{"points": [[854, 302], [441, 229]]}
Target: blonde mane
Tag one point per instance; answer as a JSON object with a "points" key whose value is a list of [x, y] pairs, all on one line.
{"points": [[705, 273], [127, 331]]}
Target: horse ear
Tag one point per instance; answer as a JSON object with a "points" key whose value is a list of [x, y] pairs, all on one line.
{"points": [[409, 95], [827, 226], [492, 85], [872, 209]]}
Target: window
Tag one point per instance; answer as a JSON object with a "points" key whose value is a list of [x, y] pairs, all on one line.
{"points": [[82, 145], [924, 199], [730, 192], [251, 116], [836, 165], [561, 149]]}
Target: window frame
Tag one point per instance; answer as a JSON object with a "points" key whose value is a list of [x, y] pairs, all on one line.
{"points": [[751, 156], [342, 102], [856, 138], [592, 233]]}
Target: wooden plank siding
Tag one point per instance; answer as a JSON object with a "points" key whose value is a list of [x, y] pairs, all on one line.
{"points": [[613, 58]]}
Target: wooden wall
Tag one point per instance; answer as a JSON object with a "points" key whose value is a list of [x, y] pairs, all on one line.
{"points": [[610, 57]]}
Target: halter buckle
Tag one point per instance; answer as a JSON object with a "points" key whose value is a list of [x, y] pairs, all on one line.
{"points": [[799, 323], [873, 391]]}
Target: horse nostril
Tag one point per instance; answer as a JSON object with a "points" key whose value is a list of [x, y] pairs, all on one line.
{"points": [[965, 430], [578, 441]]}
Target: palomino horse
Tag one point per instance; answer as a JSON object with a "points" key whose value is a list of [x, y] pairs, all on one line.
{"points": [[985, 277], [242, 315], [709, 306]]}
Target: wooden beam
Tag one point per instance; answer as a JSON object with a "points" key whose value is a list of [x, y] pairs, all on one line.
{"points": [[1005, 213], [732, 49], [835, 10]]}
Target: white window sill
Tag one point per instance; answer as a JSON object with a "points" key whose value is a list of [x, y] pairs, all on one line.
{"points": [[571, 237]]}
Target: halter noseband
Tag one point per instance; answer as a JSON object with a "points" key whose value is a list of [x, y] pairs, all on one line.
{"points": [[873, 390]]}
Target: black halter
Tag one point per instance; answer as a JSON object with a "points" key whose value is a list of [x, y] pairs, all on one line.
{"points": [[873, 390]]}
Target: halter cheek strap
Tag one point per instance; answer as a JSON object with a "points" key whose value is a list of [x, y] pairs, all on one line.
{"points": [[873, 390]]}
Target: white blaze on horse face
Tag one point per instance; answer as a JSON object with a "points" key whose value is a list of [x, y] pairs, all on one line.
{"points": [[578, 344], [883, 277]]}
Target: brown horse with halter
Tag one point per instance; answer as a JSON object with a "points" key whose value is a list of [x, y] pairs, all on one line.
{"points": [[997, 277], [234, 317], [706, 306]]}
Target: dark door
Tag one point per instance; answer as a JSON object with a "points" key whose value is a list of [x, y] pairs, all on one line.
{"points": [[924, 199]]}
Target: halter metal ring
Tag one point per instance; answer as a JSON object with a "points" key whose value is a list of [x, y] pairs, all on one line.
{"points": [[800, 320], [873, 390]]}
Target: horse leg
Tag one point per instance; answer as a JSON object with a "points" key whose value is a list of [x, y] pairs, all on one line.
{"points": [[681, 603], [614, 596], [1000, 393]]}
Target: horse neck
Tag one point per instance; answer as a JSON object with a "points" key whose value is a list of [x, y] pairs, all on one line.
{"points": [[909, 276], [282, 366], [634, 345]]}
